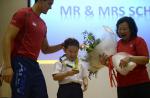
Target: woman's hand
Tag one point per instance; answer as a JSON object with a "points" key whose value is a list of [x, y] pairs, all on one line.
{"points": [[124, 62], [103, 59]]}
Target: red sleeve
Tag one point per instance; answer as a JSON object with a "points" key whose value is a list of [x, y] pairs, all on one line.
{"points": [[18, 18], [45, 31], [141, 47]]}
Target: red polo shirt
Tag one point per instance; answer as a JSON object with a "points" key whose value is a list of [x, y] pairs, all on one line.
{"points": [[136, 47], [31, 34]]}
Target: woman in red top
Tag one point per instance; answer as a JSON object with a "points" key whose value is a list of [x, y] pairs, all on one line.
{"points": [[136, 84]]}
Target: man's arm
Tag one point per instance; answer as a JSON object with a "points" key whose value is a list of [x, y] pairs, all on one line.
{"points": [[46, 48], [8, 38], [0, 75]]}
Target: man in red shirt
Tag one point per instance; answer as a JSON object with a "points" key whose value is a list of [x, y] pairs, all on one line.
{"points": [[24, 38]]}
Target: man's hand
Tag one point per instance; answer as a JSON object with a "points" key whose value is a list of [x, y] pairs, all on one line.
{"points": [[7, 74]]}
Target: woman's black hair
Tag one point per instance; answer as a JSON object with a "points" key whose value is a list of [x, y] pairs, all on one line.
{"points": [[131, 23]]}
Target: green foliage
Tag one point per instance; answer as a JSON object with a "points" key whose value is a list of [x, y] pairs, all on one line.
{"points": [[90, 41]]}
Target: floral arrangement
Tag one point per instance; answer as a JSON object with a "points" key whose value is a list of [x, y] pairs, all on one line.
{"points": [[90, 41], [89, 45]]}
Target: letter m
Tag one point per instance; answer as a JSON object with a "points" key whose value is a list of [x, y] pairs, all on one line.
{"points": [[64, 11]]}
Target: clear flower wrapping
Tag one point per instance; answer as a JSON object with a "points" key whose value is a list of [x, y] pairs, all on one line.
{"points": [[106, 44]]}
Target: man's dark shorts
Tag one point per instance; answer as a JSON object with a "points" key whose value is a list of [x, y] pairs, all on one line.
{"points": [[28, 80]]}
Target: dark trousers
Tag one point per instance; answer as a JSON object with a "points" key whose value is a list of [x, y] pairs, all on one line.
{"points": [[136, 91], [28, 80], [70, 90]]}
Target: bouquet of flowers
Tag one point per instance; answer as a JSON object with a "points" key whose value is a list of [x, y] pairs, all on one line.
{"points": [[106, 45], [90, 46]]}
